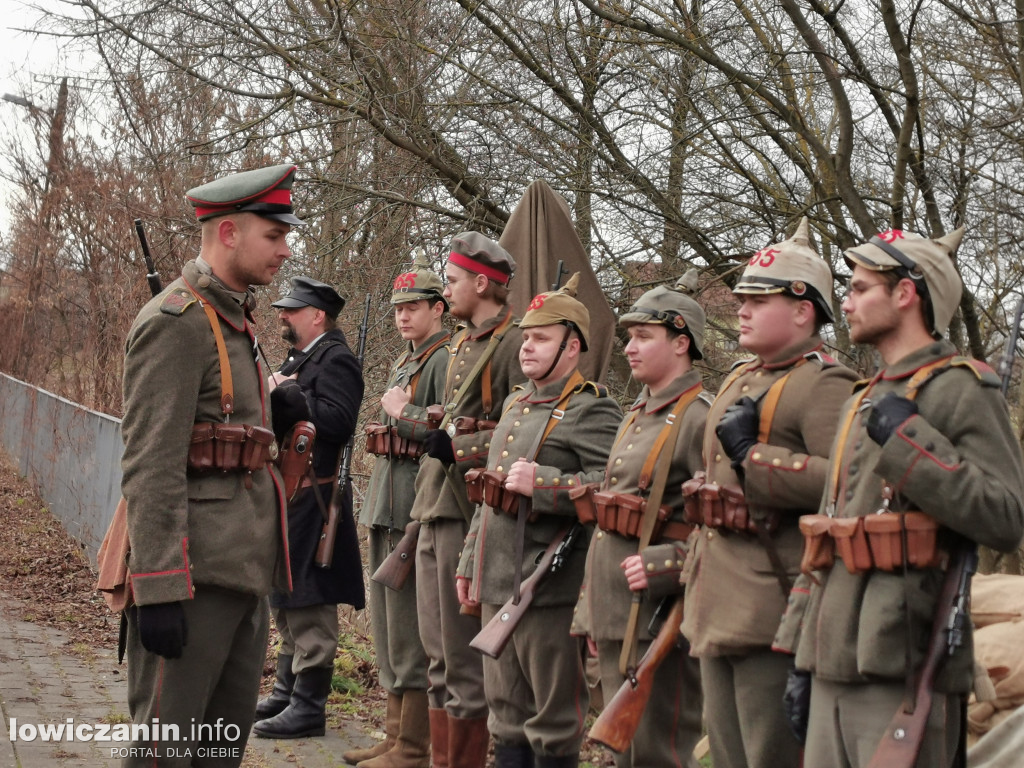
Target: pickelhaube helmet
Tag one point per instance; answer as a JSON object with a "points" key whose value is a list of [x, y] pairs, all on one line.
{"points": [[924, 260], [560, 307], [791, 267], [672, 306]]}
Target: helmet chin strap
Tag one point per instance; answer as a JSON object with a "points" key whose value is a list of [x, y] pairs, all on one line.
{"points": [[561, 349]]}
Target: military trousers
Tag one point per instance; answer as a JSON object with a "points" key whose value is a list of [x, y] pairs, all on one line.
{"points": [[747, 726], [209, 694], [537, 689], [308, 634], [454, 671], [671, 724], [401, 660], [848, 721]]}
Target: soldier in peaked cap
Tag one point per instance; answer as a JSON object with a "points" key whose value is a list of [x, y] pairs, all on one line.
{"points": [[536, 688], [322, 377], [207, 529], [483, 367], [765, 458], [637, 560], [926, 443], [415, 382]]}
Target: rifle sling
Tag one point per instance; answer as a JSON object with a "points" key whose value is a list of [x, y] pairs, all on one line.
{"points": [[227, 393], [667, 436], [523, 511]]}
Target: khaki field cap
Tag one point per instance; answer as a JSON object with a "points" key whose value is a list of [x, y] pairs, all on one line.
{"points": [[418, 284], [674, 307], [307, 292], [922, 258], [791, 267], [477, 253], [267, 192], [560, 306]]}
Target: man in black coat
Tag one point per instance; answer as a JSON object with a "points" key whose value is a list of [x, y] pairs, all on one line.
{"points": [[323, 374]]}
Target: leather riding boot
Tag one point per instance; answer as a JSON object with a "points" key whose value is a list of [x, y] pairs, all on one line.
{"points": [[392, 719], [412, 749], [562, 761], [306, 713], [467, 742], [438, 737], [282, 693], [513, 756]]}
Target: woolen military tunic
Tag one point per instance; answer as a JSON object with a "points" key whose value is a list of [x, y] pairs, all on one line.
{"points": [[226, 530], [332, 382], [958, 460]]}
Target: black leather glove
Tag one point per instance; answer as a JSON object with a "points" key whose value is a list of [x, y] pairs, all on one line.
{"points": [[797, 702], [438, 444], [288, 405], [887, 415], [162, 629], [737, 430]]}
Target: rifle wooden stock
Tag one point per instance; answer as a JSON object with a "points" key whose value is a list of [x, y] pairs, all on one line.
{"points": [[901, 744], [492, 639], [324, 557], [397, 566], [618, 721]]}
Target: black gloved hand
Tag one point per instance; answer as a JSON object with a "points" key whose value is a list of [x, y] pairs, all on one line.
{"points": [[737, 430], [438, 444], [796, 701], [288, 405], [162, 629], [887, 415]]}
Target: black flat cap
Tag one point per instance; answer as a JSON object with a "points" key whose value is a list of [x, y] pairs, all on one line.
{"points": [[307, 292]]}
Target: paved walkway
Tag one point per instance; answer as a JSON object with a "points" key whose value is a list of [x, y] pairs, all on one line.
{"points": [[44, 680]]}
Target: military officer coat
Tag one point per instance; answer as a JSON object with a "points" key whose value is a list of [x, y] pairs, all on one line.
{"points": [[958, 460], [390, 496], [734, 600], [573, 453], [604, 602], [435, 496], [226, 530]]}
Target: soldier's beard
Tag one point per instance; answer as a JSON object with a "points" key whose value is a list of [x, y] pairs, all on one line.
{"points": [[288, 334]]}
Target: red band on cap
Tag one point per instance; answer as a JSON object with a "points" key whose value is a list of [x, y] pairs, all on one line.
{"points": [[274, 197], [472, 265]]}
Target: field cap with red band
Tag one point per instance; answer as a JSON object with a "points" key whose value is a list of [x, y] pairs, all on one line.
{"points": [[479, 254], [267, 192], [791, 267], [672, 306], [923, 259], [418, 284], [560, 307]]}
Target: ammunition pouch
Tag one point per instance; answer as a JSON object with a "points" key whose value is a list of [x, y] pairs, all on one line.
{"points": [[691, 498], [230, 448], [623, 513], [382, 440], [583, 499], [467, 425], [487, 486], [725, 508], [874, 542]]}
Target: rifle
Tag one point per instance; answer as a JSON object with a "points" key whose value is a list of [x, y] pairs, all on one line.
{"points": [[325, 549], [492, 639], [902, 741], [396, 567], [618, 721], [152, 276], [1010, 350]]}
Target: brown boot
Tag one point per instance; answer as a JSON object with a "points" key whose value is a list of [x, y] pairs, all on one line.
{"points": [[438, 737], [468, 740], [413, 747], [392, 718]]}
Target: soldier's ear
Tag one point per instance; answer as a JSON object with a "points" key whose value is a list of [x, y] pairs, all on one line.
{"points": [[682, 344]]}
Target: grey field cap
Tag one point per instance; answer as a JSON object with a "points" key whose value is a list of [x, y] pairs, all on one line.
{"points": [[267, 192], [560, 306], [791, 267], [672, 306], [922, 257], [418, 284]]}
